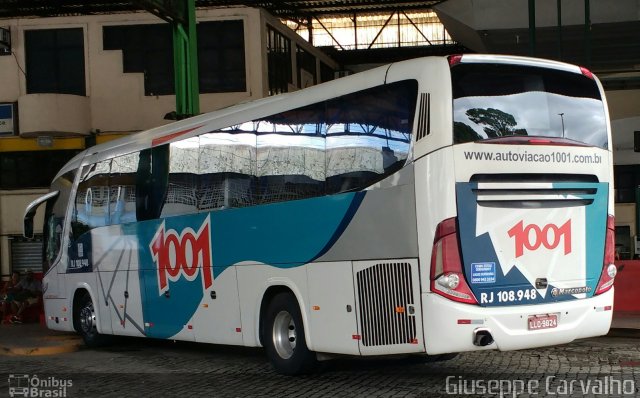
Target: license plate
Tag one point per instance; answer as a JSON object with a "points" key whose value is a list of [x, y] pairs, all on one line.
{"points": [[545, 321]]}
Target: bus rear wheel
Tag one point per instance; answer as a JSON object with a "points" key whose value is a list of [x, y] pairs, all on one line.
{"points": [[285, 342], [86, 323]]}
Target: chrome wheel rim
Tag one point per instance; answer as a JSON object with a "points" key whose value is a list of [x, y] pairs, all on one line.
{"points": [[87, 318], [284, 334]]}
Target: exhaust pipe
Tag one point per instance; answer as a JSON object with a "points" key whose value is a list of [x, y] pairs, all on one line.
{"points": [[482, 337]]}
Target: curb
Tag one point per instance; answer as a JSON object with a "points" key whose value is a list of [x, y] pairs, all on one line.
{"points": [[35, 351], [53, 345]]}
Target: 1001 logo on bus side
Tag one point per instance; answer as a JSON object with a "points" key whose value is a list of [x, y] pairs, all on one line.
{"points": [[549, 236], [182, 255]]}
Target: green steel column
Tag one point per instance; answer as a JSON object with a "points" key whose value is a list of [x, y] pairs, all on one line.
{"points": [[185, 63], [193, 85], [587, 33], [178, 71], [532, 28], [559, 2]]}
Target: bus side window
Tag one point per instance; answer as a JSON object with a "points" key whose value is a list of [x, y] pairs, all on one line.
{"points": [[291, 155], [91, 204], [151, 182], [122, 189], [368, 135], [227, 168], [183, 181]]}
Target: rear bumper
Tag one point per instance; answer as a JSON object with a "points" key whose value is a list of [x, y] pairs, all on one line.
{"points": [[508, 325]]}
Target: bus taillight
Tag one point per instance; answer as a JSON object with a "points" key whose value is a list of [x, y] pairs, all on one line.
{"points": [[447, 278], [609, 269], [454, 59], [586, 72]]}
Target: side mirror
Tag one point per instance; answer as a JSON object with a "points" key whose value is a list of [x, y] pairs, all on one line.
{"points": [[31, 212]]}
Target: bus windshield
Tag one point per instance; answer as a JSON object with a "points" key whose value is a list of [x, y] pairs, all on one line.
{"points": [[491, 101]]}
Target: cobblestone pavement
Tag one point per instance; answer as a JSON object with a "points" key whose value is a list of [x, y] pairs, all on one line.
{"points": [[141, 368]]}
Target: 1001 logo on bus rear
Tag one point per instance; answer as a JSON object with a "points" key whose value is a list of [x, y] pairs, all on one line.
{"points": [[531, 237], [182, 255]]}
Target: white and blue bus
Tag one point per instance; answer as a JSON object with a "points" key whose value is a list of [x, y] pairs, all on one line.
{"points": [[432, 206]]}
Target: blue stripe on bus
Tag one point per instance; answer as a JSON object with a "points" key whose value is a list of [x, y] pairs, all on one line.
{"points": [[282, 235]]}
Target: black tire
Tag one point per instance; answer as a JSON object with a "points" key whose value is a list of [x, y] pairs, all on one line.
{"points": [[421, 358], [441, 357], [284, 338], [86, 324]]}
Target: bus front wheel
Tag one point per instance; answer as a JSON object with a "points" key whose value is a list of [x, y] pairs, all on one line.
{"points": [[86, 323], [285, 342]]}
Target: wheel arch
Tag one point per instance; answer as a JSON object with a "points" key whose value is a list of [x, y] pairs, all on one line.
{"points": [[81, 291], [270, 292]]}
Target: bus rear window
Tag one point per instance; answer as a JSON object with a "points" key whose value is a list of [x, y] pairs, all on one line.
{"points": [[497, 100]]}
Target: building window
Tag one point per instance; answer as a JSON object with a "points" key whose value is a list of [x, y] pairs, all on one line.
{"points": [[145, 49], [279, 61], [326, 72], [306, 68], [221, 63], [148, 49], [626, 182], [16, 174], [55, 61]]}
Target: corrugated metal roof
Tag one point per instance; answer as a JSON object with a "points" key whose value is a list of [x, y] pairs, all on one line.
{"points": [[293, 9]]}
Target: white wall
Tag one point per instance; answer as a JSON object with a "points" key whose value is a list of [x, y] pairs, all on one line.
{"points": [[117, 99]]}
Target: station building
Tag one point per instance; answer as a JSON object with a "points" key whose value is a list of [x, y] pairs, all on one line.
{"points": [[69, 81]]}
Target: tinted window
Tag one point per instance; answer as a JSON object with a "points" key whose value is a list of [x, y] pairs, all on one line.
{"points": [[279, 67], [148, 49], [227, 168], [306, 68], [341, 144], [627, 182], [368, 135], [326, 72], [221, 64], [495, 100], [345, 143], [291, 158], [122, 189], [145, 49], [55, 61], [54, 218], [91, 206], [182, 188], [15, 173], [152, 179]]}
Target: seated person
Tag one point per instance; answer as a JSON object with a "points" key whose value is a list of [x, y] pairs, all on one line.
{"points": [[27, 293], [8, 293]]}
